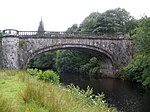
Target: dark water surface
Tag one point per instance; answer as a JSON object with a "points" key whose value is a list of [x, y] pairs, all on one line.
{"points": [[126, 96]]}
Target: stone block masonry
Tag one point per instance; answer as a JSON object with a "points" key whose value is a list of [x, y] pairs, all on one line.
{"points": [[10, 48], [0, 53], [17, 50]]}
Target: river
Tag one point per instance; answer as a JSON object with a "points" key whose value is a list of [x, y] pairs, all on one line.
{"points": [[124, 95]]}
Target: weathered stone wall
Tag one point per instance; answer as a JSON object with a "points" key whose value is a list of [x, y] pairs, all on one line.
{"points": [[0, 53], [10, 48], [119, 51], [112, 52], [16, 52]]}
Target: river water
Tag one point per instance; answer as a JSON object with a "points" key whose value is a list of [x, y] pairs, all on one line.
{"points": [[124, 95]]}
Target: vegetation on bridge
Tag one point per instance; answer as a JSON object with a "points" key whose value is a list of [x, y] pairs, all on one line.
{"points": [[20, 92]]}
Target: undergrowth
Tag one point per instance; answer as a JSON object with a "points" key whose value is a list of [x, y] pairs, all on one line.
{"points": [[20, 92]]}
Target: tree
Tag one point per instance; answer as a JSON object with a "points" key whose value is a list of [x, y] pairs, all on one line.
{"points": [[92, 68], [139, 69], [114, 21], [70, 61], [72, 29], [43, 61], [88, 23]]}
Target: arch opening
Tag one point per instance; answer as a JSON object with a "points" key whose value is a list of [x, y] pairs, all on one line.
{"points": [[106, 60]]}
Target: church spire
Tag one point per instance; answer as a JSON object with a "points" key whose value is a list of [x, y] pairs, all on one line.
{"points": [[41, 30], [41, 26], [41, 19]]}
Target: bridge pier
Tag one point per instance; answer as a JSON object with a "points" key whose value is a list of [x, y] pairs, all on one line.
{"points": [[10, 49]]}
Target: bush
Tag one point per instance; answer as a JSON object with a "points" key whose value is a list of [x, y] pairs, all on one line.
{"points": [[48, 75], [139, 69], [22, 42], [87, 96], [91, 68], [32, 71]]}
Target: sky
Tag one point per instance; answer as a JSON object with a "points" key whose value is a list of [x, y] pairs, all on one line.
{"points": [[58, 15]]}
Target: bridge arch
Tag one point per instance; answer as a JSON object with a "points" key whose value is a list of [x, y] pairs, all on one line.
{"points": [[105, 56], [69, 46], [18, 47]]}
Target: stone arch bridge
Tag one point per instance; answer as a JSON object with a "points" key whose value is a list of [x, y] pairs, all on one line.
{"points": [[18, 47]]}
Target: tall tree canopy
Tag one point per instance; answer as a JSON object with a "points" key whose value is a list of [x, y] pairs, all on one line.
{"points": [[114, 21], [89, 22], [71, 61], [43, 61], [139, 68], [72, 29]]}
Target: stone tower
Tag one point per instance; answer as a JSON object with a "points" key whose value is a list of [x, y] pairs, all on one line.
{"points": [[10, 49]]}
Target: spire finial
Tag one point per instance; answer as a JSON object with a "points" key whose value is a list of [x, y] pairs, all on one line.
{"points": [[41, 18]]}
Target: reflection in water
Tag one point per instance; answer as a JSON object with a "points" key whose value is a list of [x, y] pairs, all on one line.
{"points": [[124, 95]]}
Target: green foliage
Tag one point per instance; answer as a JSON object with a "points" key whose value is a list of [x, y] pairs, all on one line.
{"points": [[89, 22], [72, 29], [32, 71], [139, 68], [5, 106], [114, 21], [22, 42], [66, 61], [87, 95], [32, 95], [48, 75], [91, 68], [43, 61], [70, 61], [77, 62]]}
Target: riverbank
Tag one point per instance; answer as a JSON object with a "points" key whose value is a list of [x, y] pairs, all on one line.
{"points": [[20, 92]]}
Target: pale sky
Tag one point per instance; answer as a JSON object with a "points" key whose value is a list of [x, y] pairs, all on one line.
{"points": [[58, 15]]}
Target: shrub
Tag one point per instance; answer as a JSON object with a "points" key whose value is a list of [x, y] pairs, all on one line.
{"points": [[48, 75], [32, 71], [22, 42], [87, 96]]}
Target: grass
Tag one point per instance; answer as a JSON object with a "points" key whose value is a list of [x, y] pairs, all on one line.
{"points": [[20, 92]]}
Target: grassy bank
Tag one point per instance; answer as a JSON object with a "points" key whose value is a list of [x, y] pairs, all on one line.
{"points": [[20, 92]]}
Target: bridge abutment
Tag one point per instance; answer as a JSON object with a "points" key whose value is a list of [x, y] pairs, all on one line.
{"points": [[10, 51]]}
